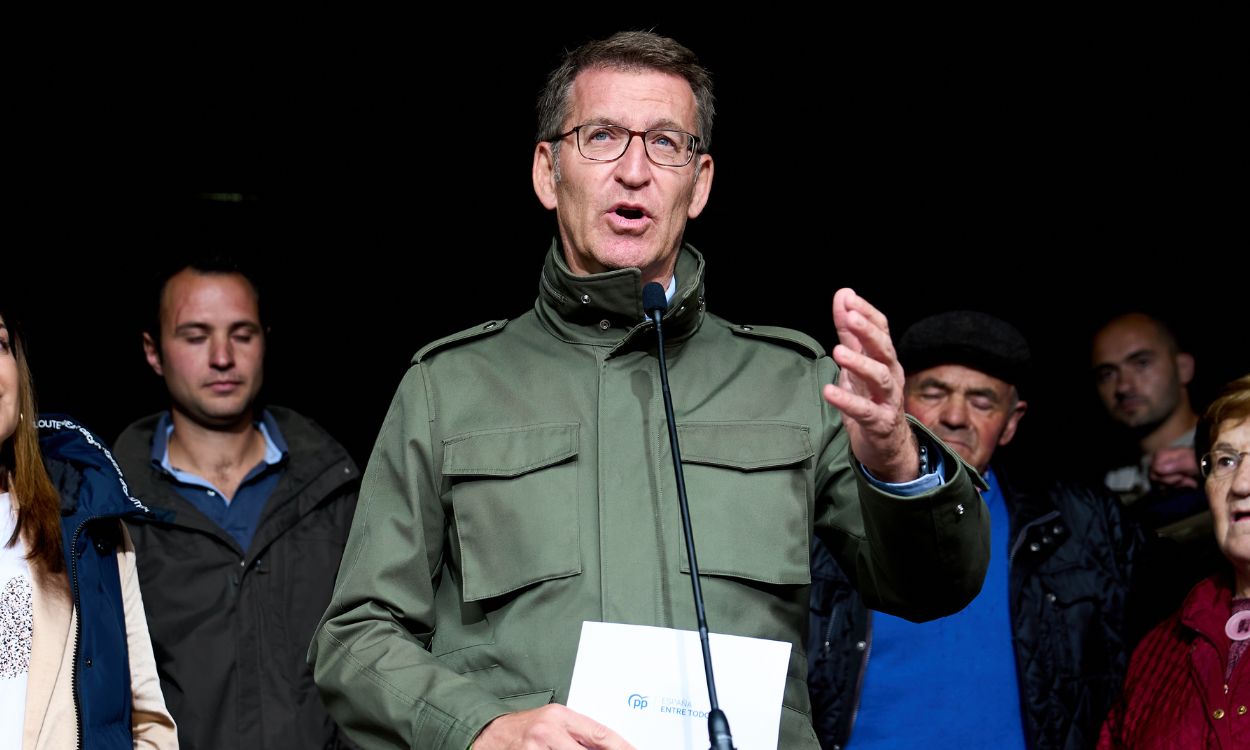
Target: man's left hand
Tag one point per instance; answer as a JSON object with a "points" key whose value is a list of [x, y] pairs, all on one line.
{"points": [[869, 391]]}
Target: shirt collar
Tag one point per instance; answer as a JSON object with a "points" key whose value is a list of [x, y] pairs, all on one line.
{"points": [[275, 444]]}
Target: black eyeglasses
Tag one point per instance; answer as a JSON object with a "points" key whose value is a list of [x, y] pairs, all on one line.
{"points": [[664, 147]]}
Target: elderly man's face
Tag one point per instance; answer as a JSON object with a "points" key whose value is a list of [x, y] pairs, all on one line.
{"points": [[972, 412], [628, 213]]}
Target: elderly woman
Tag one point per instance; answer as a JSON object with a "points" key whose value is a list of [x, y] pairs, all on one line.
{"points": [[76, 665], [1188, 683]]}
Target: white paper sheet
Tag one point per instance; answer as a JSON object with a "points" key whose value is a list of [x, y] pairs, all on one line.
{"points": [[647, 684]]}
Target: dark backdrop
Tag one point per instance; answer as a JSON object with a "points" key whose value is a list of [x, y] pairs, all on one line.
{"points": [[1048, 175]]}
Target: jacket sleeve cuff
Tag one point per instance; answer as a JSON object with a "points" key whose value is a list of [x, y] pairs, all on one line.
{"points": [[932, 471]]}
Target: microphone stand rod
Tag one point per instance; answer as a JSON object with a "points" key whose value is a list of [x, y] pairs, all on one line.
{"points": [[718, 724]]}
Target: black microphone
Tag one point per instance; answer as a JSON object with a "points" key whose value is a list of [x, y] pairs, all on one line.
{"points": [[654, 303]]}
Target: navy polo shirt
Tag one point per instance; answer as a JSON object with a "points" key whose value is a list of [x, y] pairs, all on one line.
{"points": [[241, 515]]}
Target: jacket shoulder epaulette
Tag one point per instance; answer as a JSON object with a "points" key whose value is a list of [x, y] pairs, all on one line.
{"points": [[468, 334], [789, 337]]}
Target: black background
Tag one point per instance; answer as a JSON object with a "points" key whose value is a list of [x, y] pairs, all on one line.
{"points": [[1051, 171]]}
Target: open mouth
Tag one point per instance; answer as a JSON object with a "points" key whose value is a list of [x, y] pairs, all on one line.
{"points": [[1241, 515], [629, 213]]}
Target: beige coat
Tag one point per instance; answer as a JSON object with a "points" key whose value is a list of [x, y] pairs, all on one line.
{"points": [[51, 719]]}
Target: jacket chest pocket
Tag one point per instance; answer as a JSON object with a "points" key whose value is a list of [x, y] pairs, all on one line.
{"points": [[749, 491], [514, 497]]}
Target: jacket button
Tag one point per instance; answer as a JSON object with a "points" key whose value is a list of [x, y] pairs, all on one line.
{"points": [[1051, 597], [585, 299], [1218, 713], [860, 645], [1241, 710], [604, 325], [1057, 530], [1034, 547], [1047, 540]]}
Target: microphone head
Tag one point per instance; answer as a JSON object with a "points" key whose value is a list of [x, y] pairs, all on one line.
{"points": [[653, 298]]}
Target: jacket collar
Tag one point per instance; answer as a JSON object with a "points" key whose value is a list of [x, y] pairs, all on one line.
{"points": [[1208, 607], [317, 467], [74, 456], [605, 309]]}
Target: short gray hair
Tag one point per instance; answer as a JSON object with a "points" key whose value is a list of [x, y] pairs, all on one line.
{"points": [[629, 51]]}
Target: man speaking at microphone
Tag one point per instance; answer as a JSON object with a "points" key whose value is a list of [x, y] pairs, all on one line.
{"points": [[522, 481]]}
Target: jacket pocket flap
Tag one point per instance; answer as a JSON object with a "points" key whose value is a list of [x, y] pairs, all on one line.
{"points": [[509, 452], [753, 478], [746, 446], [529, 700]]}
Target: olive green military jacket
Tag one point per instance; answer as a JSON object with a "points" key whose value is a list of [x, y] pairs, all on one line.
{"points": [[522, 483]]}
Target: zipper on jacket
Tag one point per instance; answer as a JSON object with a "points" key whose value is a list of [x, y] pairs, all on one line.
{"points": [[863, 672], [833, 619], [73, 549], [78, 615], [1015, 591]]}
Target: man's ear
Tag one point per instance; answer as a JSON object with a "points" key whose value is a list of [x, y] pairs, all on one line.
{"points": [[702, 187], [1185, 367], [1013, 421], [153, 354], [544, 174]]}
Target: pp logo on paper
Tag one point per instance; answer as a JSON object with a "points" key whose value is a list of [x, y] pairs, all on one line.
{"points": [[637, 701]]}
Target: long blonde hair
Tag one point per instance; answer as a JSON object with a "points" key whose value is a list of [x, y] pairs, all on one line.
{"points": [[31, 489]]}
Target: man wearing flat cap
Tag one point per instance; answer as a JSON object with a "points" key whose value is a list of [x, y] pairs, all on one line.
{"points": [[1037, 658]]}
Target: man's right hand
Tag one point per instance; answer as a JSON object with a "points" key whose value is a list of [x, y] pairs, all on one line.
{"points": [[551, 727]]}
